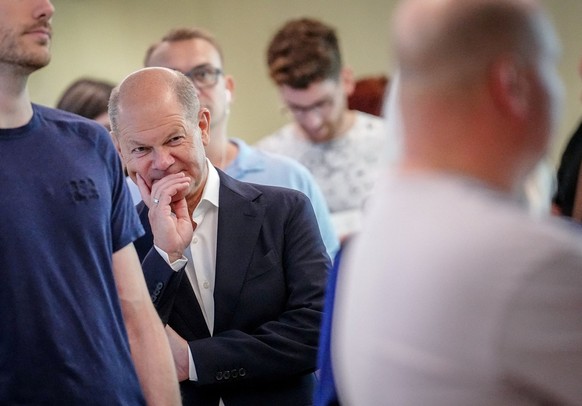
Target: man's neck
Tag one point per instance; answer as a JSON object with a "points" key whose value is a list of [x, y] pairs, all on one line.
{"points": [[221, 151], [193, 200], [15, 106], [347, 122]]}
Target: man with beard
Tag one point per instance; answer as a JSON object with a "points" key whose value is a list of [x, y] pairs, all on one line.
{"points": [[343, 148], [77, 318]]}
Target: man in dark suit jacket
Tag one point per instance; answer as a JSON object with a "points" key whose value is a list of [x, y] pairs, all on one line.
{"points": [[243, 306]]}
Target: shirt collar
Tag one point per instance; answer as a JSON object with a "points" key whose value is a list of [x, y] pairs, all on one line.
{"points": [[247, 159], [210, 193]]}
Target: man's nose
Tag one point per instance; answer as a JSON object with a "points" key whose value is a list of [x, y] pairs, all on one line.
{"points": [[163, 159], [44, 10]]}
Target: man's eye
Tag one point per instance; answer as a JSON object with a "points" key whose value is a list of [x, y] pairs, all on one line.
{"points": [[138, 150], [202, 75], [176, 140]]}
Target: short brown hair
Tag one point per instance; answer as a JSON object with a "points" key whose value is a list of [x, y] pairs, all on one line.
{"points": [[86, 97], [302, 52], [183, 34]]}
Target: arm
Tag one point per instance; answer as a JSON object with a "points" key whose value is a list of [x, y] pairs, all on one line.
{"points": [[179, 348], [149, 346], [171, 229], [162, 282]]}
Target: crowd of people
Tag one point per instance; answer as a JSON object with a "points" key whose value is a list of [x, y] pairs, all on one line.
{"points": [[379, 248]]}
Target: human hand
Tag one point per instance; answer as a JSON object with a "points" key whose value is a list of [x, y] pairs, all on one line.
{"points": [[168, 215], [179, 348]]}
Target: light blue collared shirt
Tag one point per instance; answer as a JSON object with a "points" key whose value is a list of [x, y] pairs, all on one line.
{"points": [[264, 168]]}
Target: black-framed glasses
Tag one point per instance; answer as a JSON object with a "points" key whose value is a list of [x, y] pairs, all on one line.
{"points": [[320, 108], [204, 75]]}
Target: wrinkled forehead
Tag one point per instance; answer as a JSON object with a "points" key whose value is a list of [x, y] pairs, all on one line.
{"points": [[185, 54], [139, 114]]}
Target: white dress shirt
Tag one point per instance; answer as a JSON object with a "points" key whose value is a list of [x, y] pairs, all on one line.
{"points": [[200, 256]]}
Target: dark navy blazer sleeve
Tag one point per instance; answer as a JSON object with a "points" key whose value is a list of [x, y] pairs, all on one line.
{"points": [[162, 281]]}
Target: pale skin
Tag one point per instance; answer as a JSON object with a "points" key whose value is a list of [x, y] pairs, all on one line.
{"points": [[165, 152], [149, 345], [26, 27]]}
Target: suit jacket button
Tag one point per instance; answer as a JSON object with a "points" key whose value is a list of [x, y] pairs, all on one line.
{"points": [[242, 372], [234, 374], [226, 374], [160, 285], [219, 376]]}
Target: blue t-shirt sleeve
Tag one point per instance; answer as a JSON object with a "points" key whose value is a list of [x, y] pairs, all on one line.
{"points": [[125, 224]]}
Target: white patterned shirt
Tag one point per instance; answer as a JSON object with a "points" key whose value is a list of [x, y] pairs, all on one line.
{"points": [[345, 168]]}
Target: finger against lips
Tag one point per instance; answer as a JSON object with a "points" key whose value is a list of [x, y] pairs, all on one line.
{"points": [[170, 188]]}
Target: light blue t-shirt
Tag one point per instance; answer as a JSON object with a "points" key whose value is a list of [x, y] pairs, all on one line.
{"points": [[254, 166]]}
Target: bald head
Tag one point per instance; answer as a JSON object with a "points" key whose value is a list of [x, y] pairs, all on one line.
{"points": [[151, 87], [455, 41], [479, 90], [160, 132]]}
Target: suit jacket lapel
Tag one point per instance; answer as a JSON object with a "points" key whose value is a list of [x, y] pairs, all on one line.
{"points": [[239, 222]]}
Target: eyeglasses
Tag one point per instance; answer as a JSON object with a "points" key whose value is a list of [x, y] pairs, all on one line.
{"points": [[204, 75], [320, 108]]}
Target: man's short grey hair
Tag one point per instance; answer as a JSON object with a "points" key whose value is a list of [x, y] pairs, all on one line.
{"points": [[182, 87]]}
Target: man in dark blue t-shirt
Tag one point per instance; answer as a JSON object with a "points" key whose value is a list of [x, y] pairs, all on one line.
{"points": [[76, 318]]}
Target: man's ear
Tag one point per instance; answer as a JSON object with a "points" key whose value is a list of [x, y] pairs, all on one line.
{"points": [[204, 125], [348, 81], [229, 89], [510, 87], [116, 143]]}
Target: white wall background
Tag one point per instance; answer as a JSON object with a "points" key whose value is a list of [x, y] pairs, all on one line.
{"points": [[107, 39]]}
